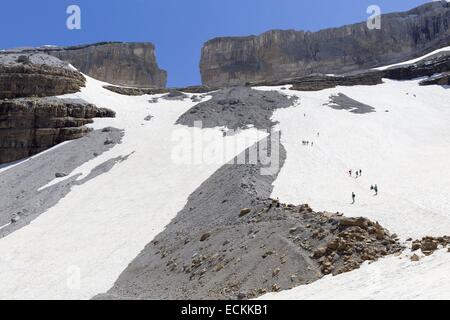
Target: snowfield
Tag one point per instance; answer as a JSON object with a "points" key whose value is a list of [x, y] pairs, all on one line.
{"points": [[404, 151], [78, 248], [404, 148]]}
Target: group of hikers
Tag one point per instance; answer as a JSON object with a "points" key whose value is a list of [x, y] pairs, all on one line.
{"points": [[358, 173], [309, 143], [372, 187]]}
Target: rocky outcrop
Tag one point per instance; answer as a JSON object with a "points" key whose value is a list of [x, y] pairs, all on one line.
{"points": [[38, 75], [150, 91], [31, 125], [280, 54], [126, 64], [428, 245], [321, 81], [442, 79], [435, 67]]}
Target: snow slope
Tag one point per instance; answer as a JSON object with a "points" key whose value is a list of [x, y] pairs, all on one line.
{"points": [[390, 278], [78, 248], [405, 151]]}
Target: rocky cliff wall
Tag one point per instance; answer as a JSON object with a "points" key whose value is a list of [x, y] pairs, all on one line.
{"points": [[126, 64], [35, 74], [31, 125], [281, 54]]}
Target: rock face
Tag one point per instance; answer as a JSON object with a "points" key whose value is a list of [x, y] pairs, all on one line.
{"points": [[31, 125], [36, 74], [127, 64], [288, 54]]}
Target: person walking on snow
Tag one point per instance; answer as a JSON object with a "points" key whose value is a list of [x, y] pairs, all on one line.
{"points": [[353, 197], [350, 173], [376, 189]]}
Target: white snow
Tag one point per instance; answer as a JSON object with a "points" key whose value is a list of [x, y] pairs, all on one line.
{"points": [[390, 278], [405, 151], [78, 248], [414, 60]]}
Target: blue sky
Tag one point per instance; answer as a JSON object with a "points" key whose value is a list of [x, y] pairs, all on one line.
{"points": [[178, 28]]}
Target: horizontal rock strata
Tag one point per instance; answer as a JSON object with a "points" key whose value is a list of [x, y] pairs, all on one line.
{"points": [[31, 125], [36, 76]]}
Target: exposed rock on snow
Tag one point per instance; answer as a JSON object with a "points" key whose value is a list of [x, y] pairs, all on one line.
{"points": [[237, 107], [342, 102], [135, 91], [428, 245], [175, 95], [128, 91]]}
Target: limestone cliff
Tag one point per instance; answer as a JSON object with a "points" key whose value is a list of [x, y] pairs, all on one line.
{"points": [[281, 54], [31, 125], [126, 64], [36, 74]]}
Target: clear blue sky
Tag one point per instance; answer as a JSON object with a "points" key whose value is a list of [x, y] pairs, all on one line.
{"points": [[178, 28]]}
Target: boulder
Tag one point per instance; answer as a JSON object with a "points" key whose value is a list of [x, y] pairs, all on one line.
{"points": [[244, 212]]}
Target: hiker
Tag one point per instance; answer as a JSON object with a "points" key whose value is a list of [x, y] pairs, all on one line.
{"points": [[350, 173], [371, 188], [318, 134], [357, 174], [360, 172], [353, 197], [376, 189], [312, 144]]}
